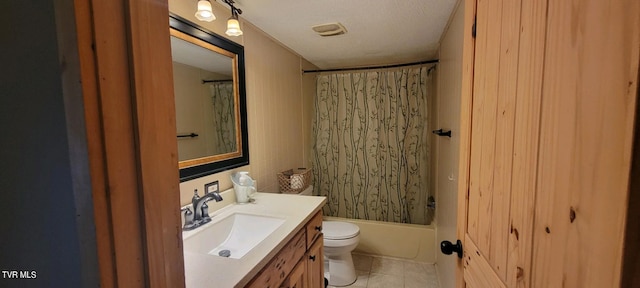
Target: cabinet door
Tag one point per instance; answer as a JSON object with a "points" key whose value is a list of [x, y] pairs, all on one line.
{"points": [[297, 278], [278, 269], [315, 265], [314, 228]]}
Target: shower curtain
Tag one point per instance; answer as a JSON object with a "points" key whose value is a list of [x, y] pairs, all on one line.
{"points": [[371, 145], [224, 124]]}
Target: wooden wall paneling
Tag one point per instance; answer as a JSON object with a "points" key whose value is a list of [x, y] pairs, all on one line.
{"points": [[155, 124], [112, 61], [590, 69], [505, 116], [95, 141], [525, 144], [468, 55]]}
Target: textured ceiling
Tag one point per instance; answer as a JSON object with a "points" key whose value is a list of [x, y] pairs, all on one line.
{"points": [[378, 31]]}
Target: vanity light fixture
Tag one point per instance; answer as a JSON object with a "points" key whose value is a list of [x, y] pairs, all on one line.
{"points": [[205, 13], [233, 25]]}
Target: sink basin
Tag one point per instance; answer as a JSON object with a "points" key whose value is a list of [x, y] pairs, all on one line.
{"points": [[236, 234]]}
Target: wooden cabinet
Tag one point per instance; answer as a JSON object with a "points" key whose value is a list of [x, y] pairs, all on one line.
{"points": [[299, 263], [314, 229], [315, 264], [298, 276], [282, 264]]}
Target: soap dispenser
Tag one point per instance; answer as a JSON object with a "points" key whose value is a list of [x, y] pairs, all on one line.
{"points": [[243, 186], [244, 178]]}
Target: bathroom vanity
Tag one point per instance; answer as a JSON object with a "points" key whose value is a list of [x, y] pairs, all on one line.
{"points": [[274, 242], [300, 261]]}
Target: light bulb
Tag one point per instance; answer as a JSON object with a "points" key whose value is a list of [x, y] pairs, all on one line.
{"points": [[205, 12]]}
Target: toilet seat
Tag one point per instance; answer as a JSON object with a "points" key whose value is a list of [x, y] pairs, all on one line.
{"points": [[337, 230]]}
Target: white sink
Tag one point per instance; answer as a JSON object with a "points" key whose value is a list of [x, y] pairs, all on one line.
{"points": [[238, 233]]}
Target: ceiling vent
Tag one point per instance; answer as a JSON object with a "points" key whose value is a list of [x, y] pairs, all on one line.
{"points": [[329, 29]]}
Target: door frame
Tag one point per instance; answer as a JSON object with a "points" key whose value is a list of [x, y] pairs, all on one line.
{"points": [[127, 87]]}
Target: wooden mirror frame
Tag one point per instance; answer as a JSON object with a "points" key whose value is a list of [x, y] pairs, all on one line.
{"points": [[195, 168]]}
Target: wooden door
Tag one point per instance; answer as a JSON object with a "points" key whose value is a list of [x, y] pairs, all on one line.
{"points": [[587, 116], [492, 240], [551, 118]]}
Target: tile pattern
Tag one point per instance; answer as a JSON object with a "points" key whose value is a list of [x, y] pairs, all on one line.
{"points": [[384, 272]]}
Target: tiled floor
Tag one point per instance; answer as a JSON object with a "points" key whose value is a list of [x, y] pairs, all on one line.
{"points": [[374, 271]]}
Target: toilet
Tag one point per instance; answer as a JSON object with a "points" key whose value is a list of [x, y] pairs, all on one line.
{"points": [[340, 238]]}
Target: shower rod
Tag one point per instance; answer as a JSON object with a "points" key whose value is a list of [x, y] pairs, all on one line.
{"points": [[215, 81], [372, 67]]}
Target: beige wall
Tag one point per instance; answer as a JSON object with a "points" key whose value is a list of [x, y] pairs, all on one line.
{"points": [[189, 100], [193, 111], [448, 106], [308, 110], [433, 139], [274, 97], [274, 103]]}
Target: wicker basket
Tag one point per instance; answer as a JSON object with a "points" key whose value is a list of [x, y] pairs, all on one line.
{"points": [[294, 181]]}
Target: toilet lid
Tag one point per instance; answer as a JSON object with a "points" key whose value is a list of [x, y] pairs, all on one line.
{"points": [[336, 230]]}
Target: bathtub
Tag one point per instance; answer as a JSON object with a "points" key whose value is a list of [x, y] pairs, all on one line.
{"points": [[397, 240]]}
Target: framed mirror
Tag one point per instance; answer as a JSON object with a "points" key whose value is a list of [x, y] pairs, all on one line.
{"points": [[211, 110]]}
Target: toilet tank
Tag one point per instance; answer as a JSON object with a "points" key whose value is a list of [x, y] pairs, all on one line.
{"points": [[308, 191]]}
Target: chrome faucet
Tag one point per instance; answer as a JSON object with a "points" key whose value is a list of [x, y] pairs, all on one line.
{"points": [[200, 215]]}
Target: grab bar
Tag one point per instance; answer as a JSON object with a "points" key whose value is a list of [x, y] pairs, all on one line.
{"points": [[440, 132], [192, 135]]}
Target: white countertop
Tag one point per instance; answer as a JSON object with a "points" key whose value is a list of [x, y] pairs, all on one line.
{"points": [[203, 270]]}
